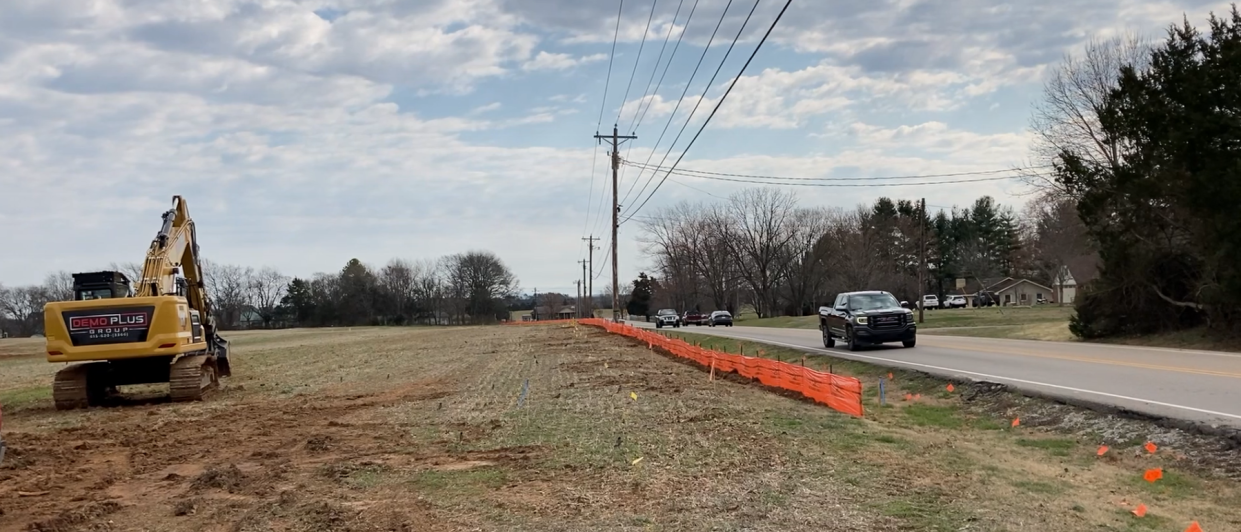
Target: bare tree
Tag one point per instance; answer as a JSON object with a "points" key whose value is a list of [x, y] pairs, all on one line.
{"points": [[131, 270], [480, 281], [1067, 118], [1056, 240], [228, 287], [761, 229], [266, 288], [59, 286], [805, 267], [23, 307]]}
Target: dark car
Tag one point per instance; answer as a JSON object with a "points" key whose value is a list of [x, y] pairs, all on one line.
{"points": [[693, 317], [722, 318], [867, 318], [667, 318], [986, 299]]}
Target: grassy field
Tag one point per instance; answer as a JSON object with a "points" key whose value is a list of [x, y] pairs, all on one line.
{"points": [[564, 428]]}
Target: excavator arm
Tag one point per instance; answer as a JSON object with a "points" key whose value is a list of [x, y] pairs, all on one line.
{"points": [[173, 267]]}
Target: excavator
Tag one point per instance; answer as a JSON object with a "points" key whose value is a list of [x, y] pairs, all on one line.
{"points": [[162, 329]]}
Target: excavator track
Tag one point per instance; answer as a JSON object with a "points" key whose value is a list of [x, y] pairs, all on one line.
{"points": [[192, 377], [69, 390], [80, 386]]}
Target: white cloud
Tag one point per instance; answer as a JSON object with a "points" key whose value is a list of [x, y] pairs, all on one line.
{"points": [[555, 61]]}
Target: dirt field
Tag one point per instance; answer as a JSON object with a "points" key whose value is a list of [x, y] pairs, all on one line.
{"points": [[429, 429]]}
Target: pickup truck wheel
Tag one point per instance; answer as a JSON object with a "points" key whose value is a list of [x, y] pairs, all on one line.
{"points": [[851, 340], [910, 343], [828, 341], [659, 325]]}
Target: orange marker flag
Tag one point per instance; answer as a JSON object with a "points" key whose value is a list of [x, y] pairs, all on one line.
{"points": [[1150, 447], [889, 375], [951, 388], [1102, 450], [1140, 511], [1193, 527], [1016, 421], [1152, 475], [909, 397], [917, 396]]}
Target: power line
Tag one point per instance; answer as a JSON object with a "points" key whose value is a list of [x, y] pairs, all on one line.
{"points": [[876, 178], [642, 104], [683, 93], [906, 184], [704, 94], [590, 196], [637, 59], [611, 57], [717, 105]]}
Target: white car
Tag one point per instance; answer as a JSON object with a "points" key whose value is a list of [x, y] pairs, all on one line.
{"points": [[955, 302], [667, 318], [930, 301]]}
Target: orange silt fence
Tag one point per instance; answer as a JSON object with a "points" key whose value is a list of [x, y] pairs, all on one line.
{"points": [[843, 394]]}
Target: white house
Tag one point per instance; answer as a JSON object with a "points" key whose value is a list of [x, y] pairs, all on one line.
{"points": [[1065, 286]]}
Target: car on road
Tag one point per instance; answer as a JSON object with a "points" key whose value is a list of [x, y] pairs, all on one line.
{"points": [[667, 318], [955, 302], [867, 318], [722, 318], [694, 317], [930, 301]]}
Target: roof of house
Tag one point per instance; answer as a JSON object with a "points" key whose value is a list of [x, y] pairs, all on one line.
{"points": [[1012, 283]]}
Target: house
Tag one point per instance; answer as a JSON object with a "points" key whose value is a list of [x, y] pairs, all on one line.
{"points": [[1065, 286], [1007, 290], [545, 313], [1023, 292]]}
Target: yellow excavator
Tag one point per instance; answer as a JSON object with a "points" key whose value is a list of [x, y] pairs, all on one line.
{"points": [[159, 330]]}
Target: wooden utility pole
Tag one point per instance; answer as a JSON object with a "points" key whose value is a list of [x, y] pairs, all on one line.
{"points": [[581, 310], [921, 259], [578, 307], [590, 283], [616, 160]]}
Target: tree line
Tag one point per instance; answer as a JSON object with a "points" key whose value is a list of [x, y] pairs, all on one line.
{"points": [[761, 249], [473, 287]]}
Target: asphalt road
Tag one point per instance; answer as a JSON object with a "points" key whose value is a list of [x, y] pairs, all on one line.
{"points": [[1201, 386]]}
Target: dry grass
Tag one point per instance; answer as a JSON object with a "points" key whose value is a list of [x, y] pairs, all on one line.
{"points": [[427, 429]]}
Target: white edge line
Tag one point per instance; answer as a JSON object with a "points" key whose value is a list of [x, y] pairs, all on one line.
{"points": [[987, 376]]}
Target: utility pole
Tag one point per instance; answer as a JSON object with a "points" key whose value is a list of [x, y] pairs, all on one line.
{"points": [[581, 309], [616, 160], [921, 259], [579, 297], [590, 243]]}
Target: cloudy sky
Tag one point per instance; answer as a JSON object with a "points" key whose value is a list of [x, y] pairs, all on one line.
{"points": [[306, 133]]}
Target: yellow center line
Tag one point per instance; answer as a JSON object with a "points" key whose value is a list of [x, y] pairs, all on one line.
{"points": [[1016, 352]]}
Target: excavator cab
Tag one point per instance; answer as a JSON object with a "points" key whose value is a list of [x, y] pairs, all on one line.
{"points": [[100, 285]]}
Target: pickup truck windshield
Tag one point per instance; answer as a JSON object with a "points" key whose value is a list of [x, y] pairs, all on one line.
{"points": [[667, 311], [872, 302]]}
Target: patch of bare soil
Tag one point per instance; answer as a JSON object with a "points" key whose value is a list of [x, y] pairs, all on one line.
{"points": [[204, 466]]}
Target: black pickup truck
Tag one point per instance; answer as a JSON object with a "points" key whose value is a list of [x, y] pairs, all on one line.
{"points": [[866, 318]]}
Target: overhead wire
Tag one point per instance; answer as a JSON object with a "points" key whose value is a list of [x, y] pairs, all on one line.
{"points": [[803, 184], [717, 106], [876, 178], [642, 104], [602, 105], [636, 60], [677, 107], [611, 57], [705, 89]]}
